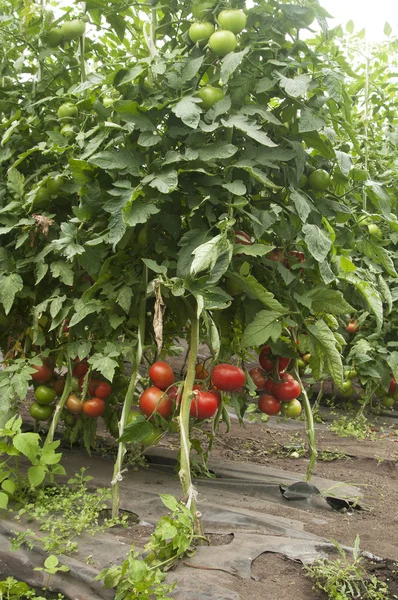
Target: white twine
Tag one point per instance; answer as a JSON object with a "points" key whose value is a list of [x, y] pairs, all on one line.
{"points": [[118, 477]]}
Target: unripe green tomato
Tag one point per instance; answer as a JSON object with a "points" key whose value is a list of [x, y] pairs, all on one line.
{"points": [[67, 110], [375, 230], [301, 363], [319, 180], [45, 395], [108, 102], [199, 33], [42, 197], [72, 30], [41, 412], [209, 95], [54, 37], [307, 358], [54, 185], [223, 42], [74, 384], [68, 131], [388, 401], [233, 20], [143, 237], [233, 288]]}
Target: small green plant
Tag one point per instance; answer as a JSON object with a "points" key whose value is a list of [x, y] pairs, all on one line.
{"points": [[51, 567], [345, 579], [43, 458], [65, 512], [173, 538], [11, 589], [331, 455], [357, 427]]}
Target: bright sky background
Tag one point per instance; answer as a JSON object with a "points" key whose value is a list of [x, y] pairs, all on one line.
{"points": [[371, 14]]}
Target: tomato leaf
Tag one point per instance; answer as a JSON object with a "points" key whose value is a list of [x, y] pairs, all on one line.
{"points": [[230, 63], [10, 285], [27, 444], [265, 326], [317, 242], [324, 343]]}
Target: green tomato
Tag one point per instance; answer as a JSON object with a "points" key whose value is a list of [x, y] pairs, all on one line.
{"points": [[319, 180], [301, 364], [233, 20], [202, 9], [42, 197], [223, 42], [45, 395], [74, 384], [68, 131], [346, 386], [72, 30], [40, 412], [209, 95], [199, 33], [68, 110], [375, 230], [388, 401], [291, 409], [108, 102], [142, 238], [54, 185], [54, 37], [233, 288]]}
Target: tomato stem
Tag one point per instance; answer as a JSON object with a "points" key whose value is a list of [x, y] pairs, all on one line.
{"points": [[60, 405], [117, 476], [185, 444], [309, 426]]}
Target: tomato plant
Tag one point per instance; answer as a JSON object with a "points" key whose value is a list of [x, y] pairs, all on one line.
{"points": [[153, 400], [228, 378]]}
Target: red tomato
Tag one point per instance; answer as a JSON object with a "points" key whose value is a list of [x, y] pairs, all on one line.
{"points": [[204, 405], [94, 407], [161, 374], [200, 372], [58, 385], [103, 390], [352, 327], [283, 364], [393, 385], [276, 256], [264, 359], [43, 373], [228, 378], [154, 400], [258, 377], [80, 369], [299, 255], [289, 389], [175, 393], [217, 394], [269, 386], [269, 404], [74, 404]]}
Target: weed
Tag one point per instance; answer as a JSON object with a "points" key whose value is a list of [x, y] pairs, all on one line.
{"points": [[11, 589], [357, 427], [331, 455], [343, 579]]}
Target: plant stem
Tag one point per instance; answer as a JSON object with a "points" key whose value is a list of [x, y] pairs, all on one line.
{"points": [[117, 476], [83, 74], [185, 444], [309, 426], [60, 406]]}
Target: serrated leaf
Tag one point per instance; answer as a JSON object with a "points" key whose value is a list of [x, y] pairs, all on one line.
{"points": [[217, 151], [378, 254], [62, 271], [251, 128], [188, 111], [165, 180], [344, 161], [124, 297], [310, 121], [295, 87], [27, 444], [230, 63], [327, 300], [137, 431], [251, 285], [139, 211], [265, 326], [237, 187], [386, 293], [83, 309], [205, 255], [105, 365], [371, 296], [317, 242], [51, 562], [324, 343], [302, 205], [10, 285]]}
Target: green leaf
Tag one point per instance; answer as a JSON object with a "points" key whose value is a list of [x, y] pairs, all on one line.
{"points": [[136, 431], [106, 365], [27, 444], [230, 63], [387, 29], [350, 26], [139, 211], [63, 271], [205, 255], [252, 250], [265, 326], [3, 500], [170, 502], [119, 160], [295, 87], [371, 296], [36, 475], [327, 300], [217, 151], [302, 204], [10, 285], [252, 286], [153, 266], [251, 128], [386, 293], [237, 187], [317, 242], [378, 254], [188, 111], [165, 180], [124, 297], [51, 562], [344, 161], [324, 344], [310, 121], [191, 68]]}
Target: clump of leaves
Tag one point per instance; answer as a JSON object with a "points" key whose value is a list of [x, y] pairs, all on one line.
{"points": [[357, 427], [331, 455], [345, 579], [143, 578], [12, 589], [65, 512]]}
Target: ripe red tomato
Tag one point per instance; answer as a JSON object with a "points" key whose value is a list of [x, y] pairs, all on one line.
{"points": [[228, 378], [43, 373], [264, 359], [289, 389], [200, 372], [103, 390], [291, 409], [277, 256], [175, 393], [393, 385], [269, 404], [74, 404], [258, 377], [217, 394], [80, 369], [94, 407], [161, 374], [283, 364], [352, 327], [92, 385], [58, 385], [204, 405], [154, 400]]}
